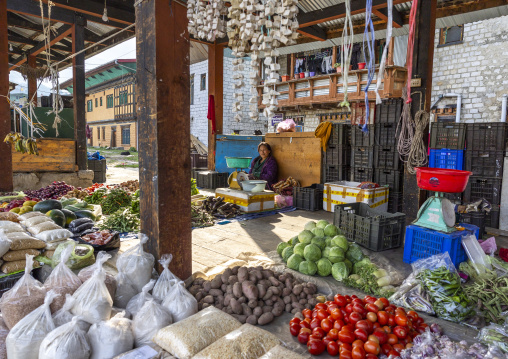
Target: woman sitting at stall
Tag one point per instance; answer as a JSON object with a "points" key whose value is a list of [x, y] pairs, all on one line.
{"points": [[264, 167]]}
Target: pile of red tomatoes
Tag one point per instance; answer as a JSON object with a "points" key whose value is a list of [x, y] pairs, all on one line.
{"points": [[356, 328]]}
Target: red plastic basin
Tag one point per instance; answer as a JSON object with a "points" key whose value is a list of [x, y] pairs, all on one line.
{"points": [[442, 180]]}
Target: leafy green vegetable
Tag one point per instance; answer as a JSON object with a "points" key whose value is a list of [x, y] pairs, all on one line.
{"points": [[294, 261], [322, 224], [307, 267], [310, 226], [324, 267], [286, 253], [354, 253], [318, 232], [121, 221], [299, 248], [340, 241], [114, 200], [340, 271], [305, 236], [312, 253], [281, 247], [320, 242], [194, 187], [336, 255], [98, 196], [331, 230]]}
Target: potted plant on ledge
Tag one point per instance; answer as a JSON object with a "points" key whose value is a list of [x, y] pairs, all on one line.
{"points": [[338, 67], [285, 78]]}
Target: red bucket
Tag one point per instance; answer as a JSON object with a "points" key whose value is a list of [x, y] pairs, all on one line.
{"points": [[442, 180]]}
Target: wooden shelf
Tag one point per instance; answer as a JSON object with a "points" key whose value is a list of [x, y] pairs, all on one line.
{"points": [[325, 89]]}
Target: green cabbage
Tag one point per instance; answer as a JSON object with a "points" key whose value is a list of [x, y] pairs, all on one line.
{"points": [[318, 232], [294, 261], [299, 248], [293, 241], [328, 241], [354, 253], [340, 241], [307, 267], [326, 252], [286, 253], [324, 267], [281, 247], [312, 253], [322, 224], [340, 271], [330, 230], [305, 236], [336, 255], [320, 242], [310, 225], [348, 264]]}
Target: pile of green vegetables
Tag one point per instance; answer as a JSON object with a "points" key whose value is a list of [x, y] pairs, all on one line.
{"points": [[446, 295], [122, 221], [135, 203], [322, 249], [488, 290], [110, 200], [194, 187]]}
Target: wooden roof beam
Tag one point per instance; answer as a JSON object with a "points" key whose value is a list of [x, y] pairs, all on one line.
{"points": [[13, 37], [339, 11], [15, 20], [96, 9], [314, 32], [398, 19], [41, 46]]}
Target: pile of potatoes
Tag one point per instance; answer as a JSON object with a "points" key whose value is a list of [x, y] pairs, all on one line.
{"points": [[254, 295]]}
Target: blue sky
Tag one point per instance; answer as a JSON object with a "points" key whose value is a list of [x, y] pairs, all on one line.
{"points": [[124, 50]]}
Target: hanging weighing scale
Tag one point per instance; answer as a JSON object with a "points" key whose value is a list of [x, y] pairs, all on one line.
{"points": [[437, 212], [239, 175]]}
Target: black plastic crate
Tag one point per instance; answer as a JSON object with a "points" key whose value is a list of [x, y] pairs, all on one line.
{"points": [[308, 198], [486, 136], [385, 134], [341, 133], [387, 157], [475, 218], [336, 173], [8, 281], [370, 228], [360, 138], [362, 157], [195, 171], [395, 201], [212, 179], [389, 111], [448, 135], [198, 161], [492, 218], [337, 155], [389, 177], [360, 174], [483, 187], [485, 163]]}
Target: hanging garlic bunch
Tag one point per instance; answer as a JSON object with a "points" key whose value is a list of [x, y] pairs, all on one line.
{"points": [[206, 19]]}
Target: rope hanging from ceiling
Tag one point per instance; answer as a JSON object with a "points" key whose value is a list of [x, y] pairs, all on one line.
{"points": [[410, 47], [382, 63], [347, 49], [369, 35]]}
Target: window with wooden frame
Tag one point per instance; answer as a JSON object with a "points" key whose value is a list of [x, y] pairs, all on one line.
{"points": [[98, 133], [89, 106], [202, 83], [109, 101], [123, 98], [103, 132], [451, 35], [96, 102], [126, 135], [101, 101]]}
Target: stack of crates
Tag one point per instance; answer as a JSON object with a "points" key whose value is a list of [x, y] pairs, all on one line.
{"points": [[374, 155], [336, 159], [485, 151]]}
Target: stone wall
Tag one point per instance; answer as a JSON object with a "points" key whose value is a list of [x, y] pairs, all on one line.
{"points": [[477, 69], [35, 181], [199, 110]]}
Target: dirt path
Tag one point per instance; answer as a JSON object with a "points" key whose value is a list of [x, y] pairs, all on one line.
{"points": [[115, 175]]}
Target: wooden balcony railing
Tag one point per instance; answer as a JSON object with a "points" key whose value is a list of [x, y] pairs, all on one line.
{"points": [[329, 88]]}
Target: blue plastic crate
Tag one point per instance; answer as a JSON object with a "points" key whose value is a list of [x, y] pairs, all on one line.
{"points": [[424, 242], [445, 158]]}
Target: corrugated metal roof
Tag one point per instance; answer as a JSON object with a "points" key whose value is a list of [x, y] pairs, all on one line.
{"points": [[198, 52], [472, 17], [311, 5]]}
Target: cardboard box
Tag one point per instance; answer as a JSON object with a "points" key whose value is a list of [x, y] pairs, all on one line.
{"points": [[249, 202], [348, 192]]}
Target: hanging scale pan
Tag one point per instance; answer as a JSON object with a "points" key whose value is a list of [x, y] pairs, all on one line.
{"points": [[448, 211]]}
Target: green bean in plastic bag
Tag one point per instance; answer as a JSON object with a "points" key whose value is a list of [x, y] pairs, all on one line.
{"points": [[82, 255]]}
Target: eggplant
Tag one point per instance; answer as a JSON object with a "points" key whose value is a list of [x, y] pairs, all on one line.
{"points": [[78, 222], [83, 227]]}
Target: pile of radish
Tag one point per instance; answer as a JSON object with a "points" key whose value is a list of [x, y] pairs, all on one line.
{"points": [[356, 328]]}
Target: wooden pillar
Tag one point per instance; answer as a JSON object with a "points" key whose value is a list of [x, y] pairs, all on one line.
{"points": [[163, 112], [423, 56], [215, 88], [292, 72], [32, 81], [389, 56], [5, 113], [78, 83]]}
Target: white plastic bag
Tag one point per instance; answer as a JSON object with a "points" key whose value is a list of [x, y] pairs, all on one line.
{"points": [[67, 341], [10, 227], [5, 243], [43, 227], [26, 295], [35, 221], [139, 300], [279, 352], [150, 318], [180, 303], [25, 337], [33, 214], [64, 315], [111, 338], [54, 235], [62, 280], [125, 290], [163, 285], [4, 331], [137, 264], [93, 301]]}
